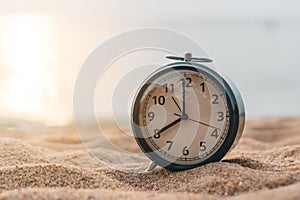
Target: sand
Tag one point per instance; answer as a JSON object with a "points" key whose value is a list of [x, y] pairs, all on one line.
{"points": [[52, 163]]}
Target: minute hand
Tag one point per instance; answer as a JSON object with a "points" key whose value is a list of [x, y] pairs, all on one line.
{"points": [[170, 125]]}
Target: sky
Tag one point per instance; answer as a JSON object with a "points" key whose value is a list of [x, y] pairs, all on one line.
{"points": [[43, 45], [156, 10]]}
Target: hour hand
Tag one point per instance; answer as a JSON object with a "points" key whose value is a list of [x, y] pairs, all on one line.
{"points": [[170, 125]]}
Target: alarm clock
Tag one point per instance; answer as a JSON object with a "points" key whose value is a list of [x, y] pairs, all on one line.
{"points": [[186, 114]]}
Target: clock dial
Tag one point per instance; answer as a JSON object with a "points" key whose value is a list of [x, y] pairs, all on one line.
{"points": [[182, 116]]}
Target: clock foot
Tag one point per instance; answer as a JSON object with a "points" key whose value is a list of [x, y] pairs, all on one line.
{"points": [[151, 166]]}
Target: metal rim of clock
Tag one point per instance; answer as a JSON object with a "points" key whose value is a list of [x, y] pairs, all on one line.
{"points": [[235, 107]]}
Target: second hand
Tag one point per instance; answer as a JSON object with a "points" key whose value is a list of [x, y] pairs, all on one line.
{"points": [[183, 96]]}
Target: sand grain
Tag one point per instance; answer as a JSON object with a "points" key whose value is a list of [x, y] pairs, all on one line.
{"points": [[264, 165]]}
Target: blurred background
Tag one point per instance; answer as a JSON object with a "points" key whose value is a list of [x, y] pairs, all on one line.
{"points": [[44, 43]]}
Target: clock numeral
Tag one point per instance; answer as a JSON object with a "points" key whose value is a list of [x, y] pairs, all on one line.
{"points": [[202, 146], [215, 133], [156, 134], [185, 151], [151, 115], [220, 116], [202, 85], [215, 99], [170, 144], [160, 100], [169, 87], [187, 82]]}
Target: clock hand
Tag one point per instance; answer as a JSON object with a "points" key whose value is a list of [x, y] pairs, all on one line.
{"points": [[183, 96], [199, 122], [170, 125], [203, 123], [176, 104]]}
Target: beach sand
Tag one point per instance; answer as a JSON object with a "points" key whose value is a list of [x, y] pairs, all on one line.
{"points": [[52, 163]]}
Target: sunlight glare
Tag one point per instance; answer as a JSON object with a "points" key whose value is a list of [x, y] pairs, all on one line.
{"points": [[27, 53]]}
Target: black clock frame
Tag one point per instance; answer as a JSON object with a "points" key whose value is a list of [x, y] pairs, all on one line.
{"points": [[235, 108]]}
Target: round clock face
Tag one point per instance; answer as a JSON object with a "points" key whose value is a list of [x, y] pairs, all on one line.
{"points": [[181, 116]]}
